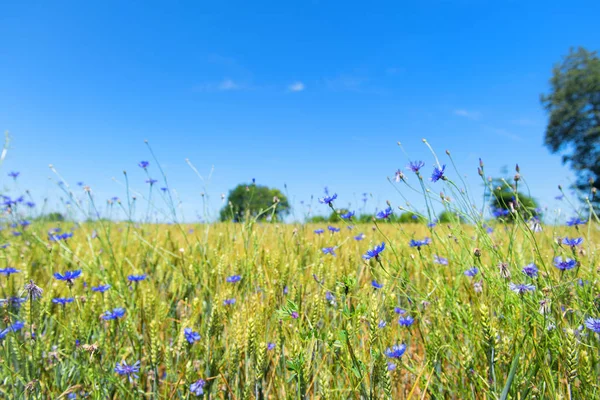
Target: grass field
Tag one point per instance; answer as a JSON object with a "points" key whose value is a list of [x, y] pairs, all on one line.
{"points": [[278, 317]]}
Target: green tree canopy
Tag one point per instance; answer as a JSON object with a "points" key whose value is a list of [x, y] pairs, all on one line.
{"points": [[251, 201], [505, 199], [573, 105]]}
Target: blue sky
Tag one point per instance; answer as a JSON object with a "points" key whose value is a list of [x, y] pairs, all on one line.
{"points": [[309, 94]]}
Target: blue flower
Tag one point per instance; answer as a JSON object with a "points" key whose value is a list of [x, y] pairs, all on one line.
{"points": [[375, 252], [531, 270], [406, 320], [593, 324], [328, 199], [198, 387], [572, 242], [68, 276], [500, 212], [329, 250], [359, 237], [347, 215], [128, 370], [440, 260], [137, 278], [575, 221], [101, 288], [62, 301], [381, 324], [384, 214], [9, 270], [396, 351], [191, 336], [391, 366], [438, 174], [415, 166], [376, 285], [144, 164], [151, 181], [14, 174], [14, 301], [399, 310], [419, 243], [228, 302], [471, 272], [116, 313], [319, 231], [234, 278], [17, 326], [330, 297], [565, 264], [559, 197], [30, 204], [270, 346], [521, 288], [333, 229]]}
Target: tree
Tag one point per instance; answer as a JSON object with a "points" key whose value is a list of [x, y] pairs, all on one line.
{"points": [[251, 201], [450, 217], [573, 105], [507, 202]]}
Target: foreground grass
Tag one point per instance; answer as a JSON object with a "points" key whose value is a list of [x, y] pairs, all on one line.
{"points": [[304, 324]]}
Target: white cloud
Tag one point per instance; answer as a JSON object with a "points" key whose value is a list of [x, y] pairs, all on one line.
{"points": [[296, 87], [222, 86], [228, 84], [474, 115]]}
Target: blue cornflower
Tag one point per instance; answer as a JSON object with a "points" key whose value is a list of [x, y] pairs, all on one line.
{"points": [[295, 314], [137, 278], [14, 174], [565, 264], [101, 288], [330, 297], [17, 326], [191, 336], [14, 301], [575, 221], [376, 285], [572, 242], [62, 301], [333, 229], [164, 189], [234, 278], [198, 387], [68, 276], [415, 166], [384, 214], [319, 231], [5, 245], [144, 164], [270, 346], [128, 370], [391, 366], [559, 197], [531, 270], [521, 288], [375, 252], [406, 320], [593, 324], [347, 215], [500, 212], [359, 237], [440, 260], [381, 324], [396, 351], [15, 233], [472, 272], [431, 225], [116, 313], [329, 250], [438, 173], [328, 199], [419, 243], [399, 310], [9, 270], [228, 302], [151, 181], [30, 204]]}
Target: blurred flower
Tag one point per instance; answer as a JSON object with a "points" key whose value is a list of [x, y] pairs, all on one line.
{"points": [[381, 324], [329, 250], [572, 242], [504, 271], [438, 173], [137, 278], [128, 370], [347, 215], [415, 166], [384, 214], [471, 272], [330, 298], [151, 181], [575, 221], [234, 278], [9, 270], [399, 176], [419, 243], [565, 264], [359, 237], [531, 270], [500, 212], [521, 288], [375, 252], [396, 351], [333, 229], [16, 326], [376, 285], [478, 286], [116, 313], [68, 276], [399, 310], [328, 199], [33, 290], [62, 301], [319, 231], [191, 336], [295, 314], [144, 164], [406, 320], [440, 260], [593, 324], [101, 288], [228, 302], [14, 174], [197, 387], [270, 346]]}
